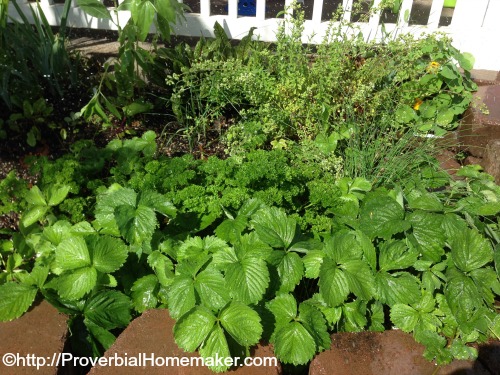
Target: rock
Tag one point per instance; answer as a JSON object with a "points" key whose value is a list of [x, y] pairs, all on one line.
{"points": [[471, 160], [485, 77], [37, 336], [448, 162], [372, 353], [394, 352], [491, 162], [477, 127], [150, 335]]}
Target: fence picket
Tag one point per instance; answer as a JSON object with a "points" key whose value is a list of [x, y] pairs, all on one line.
{"points": [[470, 14], [435, 14], [474, 26]]}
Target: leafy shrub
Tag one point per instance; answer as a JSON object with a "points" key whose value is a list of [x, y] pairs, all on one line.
{"points": [[387, 257]]}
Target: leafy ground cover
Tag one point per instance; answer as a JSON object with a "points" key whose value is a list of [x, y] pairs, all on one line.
{"points": [[289, 185]]}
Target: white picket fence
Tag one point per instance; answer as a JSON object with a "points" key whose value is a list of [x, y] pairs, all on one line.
{"points": [[474, 27]]}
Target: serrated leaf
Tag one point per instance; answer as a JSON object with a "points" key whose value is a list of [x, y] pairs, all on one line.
{"points": [[136, 224], [181, 296], [312, 263], [94, 8], [192, 329], [57, 232], [144, 293], [400, 287], [38, 275], [215, 346], [242, 323], [466, 60], [158, 202], [15, 300], [57, 194], [108, 253], [312, 319], [426, 202], [360, 278], [396, 255], [247, 279], [103, 336], [428, 234], [283, 307], [463, 297], [212, 289], [108, 309], [343, 247], [35, 197], [355, 316], [274, 227], [470, 250], [162, 266], [294, 344], [33, 215], [333, 284], [404, 317], [76, 283], [290, 271], [72, 253], [230, 229], [382, 217]]}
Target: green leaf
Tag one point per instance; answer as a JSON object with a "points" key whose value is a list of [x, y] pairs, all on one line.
{"points": [[137, 107], [284, 308], [312, 263], [33, 215], [15, 300], [360, 278], [162, 266], [230, 229], [108, 309], [466, 60], [192, 329], [428, 233], [312, 320], [215, 346], [470, 250], [212, 289], [57, 194], [103, 336], [74, 284], [294, 344], [404, 317], [108, 253], [143, 13], [290, 270], [136, 224], [445, 117], [247, 278], [72, 253], [399, 287], [159, 203], [382, 216], [181, 296], [242, 323], [35, 197], [395, 255], [274, 227], [144, 293], [405, 114], [333, 283], [463, 297], [94, 8]]}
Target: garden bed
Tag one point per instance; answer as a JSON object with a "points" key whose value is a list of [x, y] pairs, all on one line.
{"points": [[278, 194]]}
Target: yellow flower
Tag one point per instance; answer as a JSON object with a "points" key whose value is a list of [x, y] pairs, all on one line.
{"points": [[418, 103], [433, 67]]}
